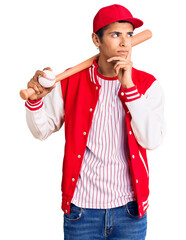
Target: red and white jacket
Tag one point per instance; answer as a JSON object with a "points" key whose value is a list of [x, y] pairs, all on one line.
{"points": [[74, 100]]}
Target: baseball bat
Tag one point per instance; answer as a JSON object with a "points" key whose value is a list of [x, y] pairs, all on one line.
{"points": [[137, 39]]}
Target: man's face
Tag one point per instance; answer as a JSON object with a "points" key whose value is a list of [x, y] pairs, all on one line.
{"points": [[117, 40]]}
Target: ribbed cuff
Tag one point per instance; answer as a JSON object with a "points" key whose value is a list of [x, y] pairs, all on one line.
{"points": [[131, 94], [34, 105]]}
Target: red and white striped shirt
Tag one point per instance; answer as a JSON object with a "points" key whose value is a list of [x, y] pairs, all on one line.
{"points": [[104, 180]]}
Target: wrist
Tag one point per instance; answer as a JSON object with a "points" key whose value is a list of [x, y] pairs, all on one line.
{"points": [[128, 83]]}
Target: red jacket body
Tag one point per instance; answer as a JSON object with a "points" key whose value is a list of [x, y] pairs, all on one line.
{"points": [[80, 96]]}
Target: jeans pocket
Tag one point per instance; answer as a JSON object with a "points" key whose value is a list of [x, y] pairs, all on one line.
{"points": [[75, 213], [132, 209]]}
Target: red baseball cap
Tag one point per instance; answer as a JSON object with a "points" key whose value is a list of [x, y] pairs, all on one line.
{"points": [[113, 13]]}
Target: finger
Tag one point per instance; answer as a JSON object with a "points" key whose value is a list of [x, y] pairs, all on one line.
{"points": [[115, 58], [129, 54], [36, 89], [41, 88], [120, 63], [35, 82], [47, 68], [31, 83], [35, 78], [38, 72], [118, 68]]}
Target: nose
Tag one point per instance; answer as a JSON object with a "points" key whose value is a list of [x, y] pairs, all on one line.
{"points": [[123, 42]]}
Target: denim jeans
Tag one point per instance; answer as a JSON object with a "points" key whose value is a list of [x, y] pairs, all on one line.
{"points": [[102, 224]]}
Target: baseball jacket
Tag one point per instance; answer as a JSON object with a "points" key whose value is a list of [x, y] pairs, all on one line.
{"points": [[73, 102]]}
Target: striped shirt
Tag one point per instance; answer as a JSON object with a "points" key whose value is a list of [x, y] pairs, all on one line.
{"points": [[104, 180]]}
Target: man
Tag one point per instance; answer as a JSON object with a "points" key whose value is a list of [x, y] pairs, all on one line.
{"points": [[112, 113]]}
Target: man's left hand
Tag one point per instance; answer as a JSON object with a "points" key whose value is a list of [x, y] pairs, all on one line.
{"points": [[123, 68]]}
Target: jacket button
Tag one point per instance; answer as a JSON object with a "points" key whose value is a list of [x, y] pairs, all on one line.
{"points": [[67, 203], [122, 93], [130, 132], [79, 156], [84, 133], [90, 109], [73, 179], [133, 156], [136, 180], [66, 211], [96, 88]]}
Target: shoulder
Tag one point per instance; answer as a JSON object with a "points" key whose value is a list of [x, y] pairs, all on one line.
{"points": [[142, 74], [142, 79], [75, 75], [72, 82]]}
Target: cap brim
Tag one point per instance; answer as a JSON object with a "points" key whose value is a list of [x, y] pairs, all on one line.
{"points": [[135, 21]]}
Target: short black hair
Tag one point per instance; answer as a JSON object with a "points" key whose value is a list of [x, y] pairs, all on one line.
{"points": [[101, 30]]}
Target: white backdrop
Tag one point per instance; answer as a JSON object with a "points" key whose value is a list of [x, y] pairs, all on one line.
{"points": [[37, 34]]}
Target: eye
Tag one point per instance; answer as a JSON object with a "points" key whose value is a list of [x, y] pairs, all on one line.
{"points": [[115, 34], [130, 34]]}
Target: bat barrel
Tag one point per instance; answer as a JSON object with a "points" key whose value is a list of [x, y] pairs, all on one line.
{"points": [[141, 37]]}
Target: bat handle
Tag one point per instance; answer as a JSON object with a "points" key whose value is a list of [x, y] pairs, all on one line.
{"points": [[26, 93]]}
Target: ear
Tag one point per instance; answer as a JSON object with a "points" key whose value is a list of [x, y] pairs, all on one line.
{"points": [[95, 39]]}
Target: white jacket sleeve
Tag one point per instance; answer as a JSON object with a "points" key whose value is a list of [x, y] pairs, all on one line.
{"points": [[46, 115], [147, 113]]}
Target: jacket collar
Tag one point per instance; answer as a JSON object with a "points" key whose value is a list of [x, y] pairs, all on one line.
{"points": [[93, 72]]}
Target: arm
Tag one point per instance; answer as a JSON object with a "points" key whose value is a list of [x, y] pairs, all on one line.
{"points": [[46, 115], [147, 113]]}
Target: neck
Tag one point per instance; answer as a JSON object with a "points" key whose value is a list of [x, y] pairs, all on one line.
{"points": [[105, 68]]}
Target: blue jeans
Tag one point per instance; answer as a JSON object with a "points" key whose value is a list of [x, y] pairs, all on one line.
{"points": [[102, 224]]}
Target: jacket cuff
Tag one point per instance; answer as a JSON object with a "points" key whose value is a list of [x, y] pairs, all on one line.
{"points": [[131, 94], [34, 105]]}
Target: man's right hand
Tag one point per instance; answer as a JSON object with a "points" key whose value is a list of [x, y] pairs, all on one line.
{"points": [[40, 91]]}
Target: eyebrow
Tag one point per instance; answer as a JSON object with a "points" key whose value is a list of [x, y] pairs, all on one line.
{"points": [[119, 32]]}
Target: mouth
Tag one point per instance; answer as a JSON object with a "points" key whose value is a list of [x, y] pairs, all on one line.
{"points": [[123, 52]]}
